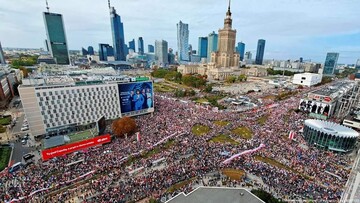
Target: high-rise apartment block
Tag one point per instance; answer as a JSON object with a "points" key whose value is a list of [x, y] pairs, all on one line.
{"points": [[183, 40], [260, 52], [330, 63], [151, 48], [103, 52], [161, 55], [56, 38]]}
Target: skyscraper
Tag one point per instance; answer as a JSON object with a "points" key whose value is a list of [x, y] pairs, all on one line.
{"points": [[171, 56], [2, 57], [141, 46], [132, 45], [103, 52], [212, 44], [203, 47], [110, 51], [330, 63], [161, 55], [56, 38], [357, 65], [260, 52], [84, 52], [91, 50], [241, 50], [117, 29], [226, 56], [151, 48], [248, 55], [183, 40]]}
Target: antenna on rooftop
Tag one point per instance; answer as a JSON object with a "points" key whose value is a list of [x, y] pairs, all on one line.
{"points": [[47, 6]]}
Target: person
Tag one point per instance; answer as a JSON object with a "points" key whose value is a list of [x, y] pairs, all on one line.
{"points": [[131, 99], [144, 106], [138, 99], [148, 98]]}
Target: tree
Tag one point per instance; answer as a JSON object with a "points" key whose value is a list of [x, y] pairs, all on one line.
{"points": [[265, 196], [231, 79], [123, 126], [208, 88], [242, 77], [24, 71]]}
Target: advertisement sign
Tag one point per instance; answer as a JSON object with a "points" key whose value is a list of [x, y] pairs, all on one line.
{"points": [[315, 107], [135, 97], [76, 146]]}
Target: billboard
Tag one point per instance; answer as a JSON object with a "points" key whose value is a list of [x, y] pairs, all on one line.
{"points": [[137, 97], [76, 146]]}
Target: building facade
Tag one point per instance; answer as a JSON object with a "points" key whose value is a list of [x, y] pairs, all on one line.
{"points": [[330, 63], [2, 56], [307, 79], [103, 52], [203, 47], [357, 65], [329, 136], [212, 44], [91, 50], [151, 48], [241, 50], [117, 29], [183, 40], [56, 37], [226, 55], [260, 52], [132, 45], [161, 55], [141, 46]]}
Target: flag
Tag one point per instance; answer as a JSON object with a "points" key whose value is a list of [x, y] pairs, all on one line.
{"points": [[138, 136], [291, 135]]}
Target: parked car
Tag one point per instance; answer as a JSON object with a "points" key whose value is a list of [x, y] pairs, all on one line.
{"points": [[26, 157], [24, 128], [23, 142]]}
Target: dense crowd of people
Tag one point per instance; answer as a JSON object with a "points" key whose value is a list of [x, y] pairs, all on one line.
{"points": [[106, 173]]}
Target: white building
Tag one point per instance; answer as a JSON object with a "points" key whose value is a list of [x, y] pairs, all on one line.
{"points": [[58, 102], [307, 79]]}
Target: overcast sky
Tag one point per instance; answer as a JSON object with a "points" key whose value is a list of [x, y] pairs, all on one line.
{"points": [[291, 28]]}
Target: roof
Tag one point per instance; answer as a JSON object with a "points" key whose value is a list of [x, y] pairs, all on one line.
{"points": [[216, 195], [53, 141], [335, 89], [331, 128]]}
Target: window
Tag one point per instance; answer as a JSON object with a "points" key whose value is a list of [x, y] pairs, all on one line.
{"points": [[303, 78]]}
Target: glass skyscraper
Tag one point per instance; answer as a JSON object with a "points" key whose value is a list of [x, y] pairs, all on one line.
{"points": [[183, 41], [212, 44], [357, 65], [203, 47], [56, 37], [117, 29], [103, 52], [330, 63], [141, 46], [241, 50], [132, 45], [151, 48], [2, 57], [91, 50], [260, 52], [110, 51]]}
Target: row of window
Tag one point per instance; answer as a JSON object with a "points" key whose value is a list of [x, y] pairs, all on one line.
{"points": [[77, 91]]}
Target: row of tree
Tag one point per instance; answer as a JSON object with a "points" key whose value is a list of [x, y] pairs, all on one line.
{"points": [[271, 71], [233, 79]]}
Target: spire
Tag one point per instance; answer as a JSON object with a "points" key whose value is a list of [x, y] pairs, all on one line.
{"points": [[47, 6], [109, 3], [228, 13]]}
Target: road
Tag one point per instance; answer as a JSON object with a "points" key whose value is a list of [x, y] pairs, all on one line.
{"points": [[19, 151]]}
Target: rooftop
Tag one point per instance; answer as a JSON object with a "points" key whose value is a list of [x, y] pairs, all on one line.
{"points": [[335, 89], [216, 195], [331, 128]]}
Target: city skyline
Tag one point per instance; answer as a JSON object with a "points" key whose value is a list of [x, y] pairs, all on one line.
{"points": [[292, 31]]}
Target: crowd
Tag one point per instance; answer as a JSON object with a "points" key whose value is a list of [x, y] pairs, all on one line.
{"points": [[105, 170]]}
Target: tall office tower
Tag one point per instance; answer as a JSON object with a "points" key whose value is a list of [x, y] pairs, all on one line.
{"points": [[241, 50], [84, 52], [212, 44], [161, 55], [171, 56], [91, 50], [132, 45], [56, 38], [110, 51], [183, 40], [260, 52], [248, 55], [2, 57], [103, 52], [151, 48], [330, 63], [357, 65], [141, 46], [203, 47], [226, 56], [301, 60], [117, 28]]}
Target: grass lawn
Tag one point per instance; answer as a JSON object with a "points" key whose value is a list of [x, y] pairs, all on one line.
{"points": [[163, 88], [270, 97], [243, 132], [5, 120], [179, 185], [279, 165], [233, 174], [224, 139], [200, 129], [81, 136], [262, 120], [4, 157], [202, 100], [221, 123]]}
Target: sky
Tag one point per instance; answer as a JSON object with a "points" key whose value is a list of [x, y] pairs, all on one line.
{"points": [[291, 28]]}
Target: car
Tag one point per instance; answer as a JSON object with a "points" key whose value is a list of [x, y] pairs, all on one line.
{"points": [[28, 156], [23, 142], [24, 128]]}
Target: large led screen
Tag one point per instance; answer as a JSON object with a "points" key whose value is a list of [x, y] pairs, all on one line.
{"points": [[136, 96]]}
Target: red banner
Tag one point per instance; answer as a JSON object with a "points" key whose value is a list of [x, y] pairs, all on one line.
{"points": [[76, 146]]}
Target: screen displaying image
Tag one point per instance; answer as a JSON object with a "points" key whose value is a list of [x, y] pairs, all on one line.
{"points": [[136, 96]]}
